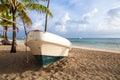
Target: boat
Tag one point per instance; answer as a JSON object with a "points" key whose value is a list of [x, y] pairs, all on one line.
{"points": [[47, 47]]}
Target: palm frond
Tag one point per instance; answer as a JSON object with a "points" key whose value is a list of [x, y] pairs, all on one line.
{"points": [[23, 15], [39, 8], [20, 7], [3, 8], [4, 22], [33, 1]]}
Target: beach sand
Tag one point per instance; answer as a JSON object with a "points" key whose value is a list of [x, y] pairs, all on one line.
{"points": [[81, 64]]}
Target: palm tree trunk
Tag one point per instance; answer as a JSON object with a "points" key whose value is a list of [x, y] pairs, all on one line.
{"points": [[6, 36], [46, 19], [13, 48]]}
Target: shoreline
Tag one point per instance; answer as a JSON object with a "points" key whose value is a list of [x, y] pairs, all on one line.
{"points": [[79, 47], [21, 42], [96, 49]]}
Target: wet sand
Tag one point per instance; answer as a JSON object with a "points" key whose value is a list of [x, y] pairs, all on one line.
{"points": [[81, 64]]}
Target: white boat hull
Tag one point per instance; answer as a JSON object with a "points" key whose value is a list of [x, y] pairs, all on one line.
{"points": [[46, 47], [44, 43]]}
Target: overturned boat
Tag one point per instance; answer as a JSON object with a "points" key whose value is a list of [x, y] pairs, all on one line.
{"points": [[47, 47]]}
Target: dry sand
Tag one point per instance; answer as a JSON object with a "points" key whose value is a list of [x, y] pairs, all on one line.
{"points": [[81, 64]]}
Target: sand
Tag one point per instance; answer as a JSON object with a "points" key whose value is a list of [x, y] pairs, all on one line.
{"points": [[81, 64]]}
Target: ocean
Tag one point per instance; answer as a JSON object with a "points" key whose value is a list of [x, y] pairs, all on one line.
{"points": [[108, 44]]}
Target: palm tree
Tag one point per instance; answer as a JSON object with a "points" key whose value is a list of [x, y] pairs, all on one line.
{"points": [[6, 25], [19, 7]]}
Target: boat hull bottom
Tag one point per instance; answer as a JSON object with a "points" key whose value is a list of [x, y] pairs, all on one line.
{"points": [[46, 60]]}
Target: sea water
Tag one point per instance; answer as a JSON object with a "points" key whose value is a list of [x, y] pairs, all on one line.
{"points": [[109, 44]]}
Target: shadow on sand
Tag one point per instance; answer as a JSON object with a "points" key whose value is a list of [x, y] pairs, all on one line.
{"points": [[17, 62]]}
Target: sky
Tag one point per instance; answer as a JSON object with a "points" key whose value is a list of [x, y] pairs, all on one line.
{"points": [[81, 18]]}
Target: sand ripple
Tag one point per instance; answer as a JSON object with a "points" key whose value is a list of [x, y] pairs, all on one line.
{"points": [[81, 64]]}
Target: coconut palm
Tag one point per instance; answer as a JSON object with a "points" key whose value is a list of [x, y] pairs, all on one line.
{"points": [[6, 25], [19, 7]]}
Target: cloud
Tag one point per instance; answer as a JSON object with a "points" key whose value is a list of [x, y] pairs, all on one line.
{"points": [[86, 17], [61, 25], [38, 25], [91, 13], [114, 17], [61, 28], [86, 23], [110, 22], [83, 18], [68, 24], [114, 12], [65, 18]]}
